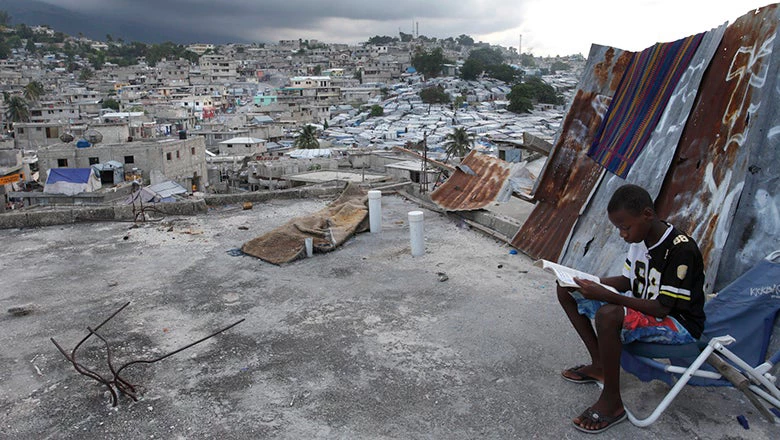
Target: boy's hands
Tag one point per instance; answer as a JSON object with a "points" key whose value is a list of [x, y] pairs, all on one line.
{"points": [[592, 290]]}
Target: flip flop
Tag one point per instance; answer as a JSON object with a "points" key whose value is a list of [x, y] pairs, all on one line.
{"points": [[595, 417], [583, 378]]}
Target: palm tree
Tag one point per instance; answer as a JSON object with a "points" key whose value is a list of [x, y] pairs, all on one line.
{"points": [[459, 142], [17, 110], [307, 138], [33, 90]]}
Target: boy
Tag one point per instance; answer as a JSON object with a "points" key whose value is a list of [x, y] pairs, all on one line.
{"points": [[663, 278]]}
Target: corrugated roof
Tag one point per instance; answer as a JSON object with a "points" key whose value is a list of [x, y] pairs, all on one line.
{"points": [[569, 176], [478, 181]]}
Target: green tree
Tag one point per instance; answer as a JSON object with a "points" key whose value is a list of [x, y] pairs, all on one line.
{"points": [[471, 69], [465, 40], [527, 60], [17, 110], [5, 19], [486, 59], [14, 41], [86, 74], [519, 103], [429, 63], [376, 40], [543, 92], [405, 38], [503, 72], [434, 95], [33, 90], [376, 110], [486, 56], [523, 95], [559, 66], [307, 138], [30, 46], [459, 142], [111, 103], [5, 51]]}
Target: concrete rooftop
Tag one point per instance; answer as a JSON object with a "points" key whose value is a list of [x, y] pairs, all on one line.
{"points": [[364, 342]]}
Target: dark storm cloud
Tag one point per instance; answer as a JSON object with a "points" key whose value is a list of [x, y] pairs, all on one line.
{"points": [[338, 20]]}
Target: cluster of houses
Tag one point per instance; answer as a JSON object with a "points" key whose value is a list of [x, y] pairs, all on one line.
{"points": [[228, 122]]}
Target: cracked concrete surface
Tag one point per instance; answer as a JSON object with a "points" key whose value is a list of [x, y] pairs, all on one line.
{"points": [[363, 342]]}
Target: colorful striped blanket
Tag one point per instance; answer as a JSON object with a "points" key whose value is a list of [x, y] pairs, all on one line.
{"points": [[639, 102]]}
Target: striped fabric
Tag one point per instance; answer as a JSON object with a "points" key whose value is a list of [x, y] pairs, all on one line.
{"points": [[639, 102]]}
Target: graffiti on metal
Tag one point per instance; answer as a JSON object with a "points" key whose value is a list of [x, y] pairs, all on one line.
{"points": [[756, 225], [595, 245], [707, 174]]}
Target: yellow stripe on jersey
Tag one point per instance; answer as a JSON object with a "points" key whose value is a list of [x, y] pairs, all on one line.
{"points": [[674, 295]]}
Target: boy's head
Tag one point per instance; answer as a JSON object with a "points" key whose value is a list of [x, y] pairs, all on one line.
{"points": [[631, 211]]}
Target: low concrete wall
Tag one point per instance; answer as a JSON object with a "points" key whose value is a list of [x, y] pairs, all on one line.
{"points": [[61, 216], [263, 196]]}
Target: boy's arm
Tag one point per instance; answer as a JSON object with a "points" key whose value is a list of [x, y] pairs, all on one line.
{"points": [[620, 283], [592, 290]]}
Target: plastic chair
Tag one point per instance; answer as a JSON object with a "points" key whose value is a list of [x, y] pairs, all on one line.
{"points": [[742, 316]]}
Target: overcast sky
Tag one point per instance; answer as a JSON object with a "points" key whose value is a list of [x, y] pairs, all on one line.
{"points": [[549, 27]]}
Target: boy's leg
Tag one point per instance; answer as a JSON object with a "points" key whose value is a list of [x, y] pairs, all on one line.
{"points": [[609, 323], [584, 329]]}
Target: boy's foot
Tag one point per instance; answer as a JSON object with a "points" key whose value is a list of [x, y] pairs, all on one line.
{"points": [[594, 422], [582, 374]]}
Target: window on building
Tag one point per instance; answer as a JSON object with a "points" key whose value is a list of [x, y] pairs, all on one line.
{"points": [[178, 156], [129, 159], [20, 130], [168, 156], [52, 132], [192, 150], [62, 163], [94, 160], [38, 129]]}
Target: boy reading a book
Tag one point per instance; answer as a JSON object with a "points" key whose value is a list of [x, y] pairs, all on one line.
{"points": [[663, 280]]}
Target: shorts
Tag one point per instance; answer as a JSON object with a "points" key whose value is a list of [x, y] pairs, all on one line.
{"points": [[638, 326]]}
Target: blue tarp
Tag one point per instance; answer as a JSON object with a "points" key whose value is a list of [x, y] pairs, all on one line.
{"points": [[746, 309], [70, 175]]}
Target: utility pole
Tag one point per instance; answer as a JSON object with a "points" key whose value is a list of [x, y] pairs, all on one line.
{"points": [[424, 176]]}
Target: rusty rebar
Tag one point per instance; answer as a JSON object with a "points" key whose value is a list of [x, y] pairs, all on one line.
{"points": [[117, 382]]}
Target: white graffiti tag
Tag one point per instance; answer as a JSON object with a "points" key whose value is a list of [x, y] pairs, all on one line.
{"points": [[749, 68]]}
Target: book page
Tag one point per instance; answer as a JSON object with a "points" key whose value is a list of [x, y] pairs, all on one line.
{"points": [[566, 275]]}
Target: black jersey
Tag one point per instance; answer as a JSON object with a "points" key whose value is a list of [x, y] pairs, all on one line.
{"points": [[672, 272]]}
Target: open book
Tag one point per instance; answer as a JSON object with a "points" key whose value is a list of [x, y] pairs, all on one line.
{"points": [[566, 275]]}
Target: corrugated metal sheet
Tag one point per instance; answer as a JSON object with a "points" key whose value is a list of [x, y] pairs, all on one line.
{"points": [[569, 176], [707, 174], [596, 246], [489, 182], [755, 231]]}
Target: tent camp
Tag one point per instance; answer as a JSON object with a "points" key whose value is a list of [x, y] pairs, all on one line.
{"points": [[71, 181]]}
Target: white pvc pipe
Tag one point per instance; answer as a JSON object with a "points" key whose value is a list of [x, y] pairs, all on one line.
{"points": [[375, 211], [309, 242], [417, 233]]}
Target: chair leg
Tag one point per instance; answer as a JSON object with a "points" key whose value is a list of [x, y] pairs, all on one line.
{"points": [[667, 400]]}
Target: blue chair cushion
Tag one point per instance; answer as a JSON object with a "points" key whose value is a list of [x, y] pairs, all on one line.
{"points": [[665, 351]]}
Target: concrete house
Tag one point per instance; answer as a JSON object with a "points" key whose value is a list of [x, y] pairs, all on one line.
{"points": [[180, 160]]}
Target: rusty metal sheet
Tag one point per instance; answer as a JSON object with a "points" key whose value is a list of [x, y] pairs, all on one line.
{"points": [[707, 174], [596, 246], [755, 231], [570, 176], [478, 181]]}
